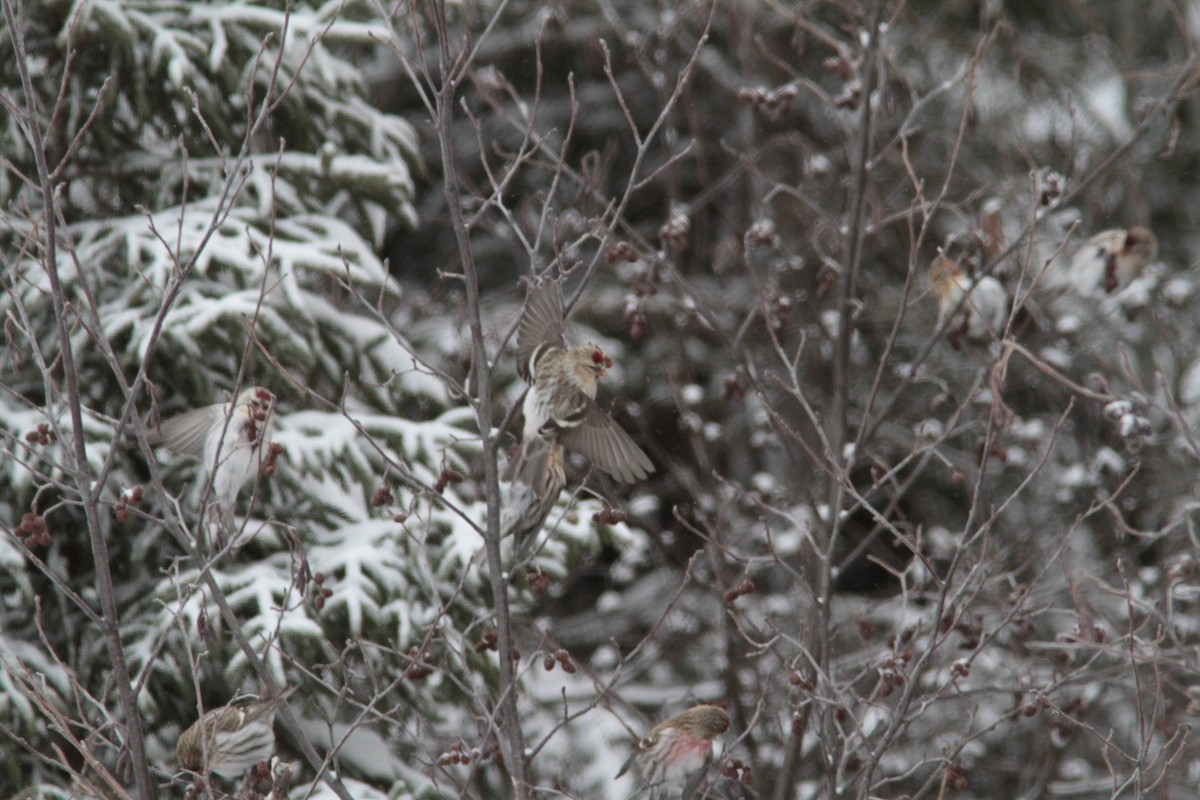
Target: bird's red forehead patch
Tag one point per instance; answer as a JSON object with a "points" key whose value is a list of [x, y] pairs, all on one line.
{"points": [[263, 395], [597, 356]]}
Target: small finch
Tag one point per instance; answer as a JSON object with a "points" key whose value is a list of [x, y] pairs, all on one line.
{"points": [[561, 402], [1110, 260], [229, 439], [679, 749], [231, 739], [983, 312], [534, 479]]}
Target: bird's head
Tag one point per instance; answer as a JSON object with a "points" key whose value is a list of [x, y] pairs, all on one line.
{"points": [[944, 275], [705, 722], [1141, 245], [259, 402], [588, 365]]}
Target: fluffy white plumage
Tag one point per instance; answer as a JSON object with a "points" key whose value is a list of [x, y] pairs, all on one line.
{"points": [[986, 306], [678, 749], [1110, 260], [229, 439]]}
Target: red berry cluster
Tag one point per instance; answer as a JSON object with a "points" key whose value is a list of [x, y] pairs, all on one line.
{"points": [[737, 770], [741, 590], [609, 516], [774, 104], [637, 323], [458, 754], [851, 95], [320, 591], [992, 450], [561, 657], [892, 671], [273, 453], [779, 309], [132, 497], [1133, 428], [621, 251], [645, 286], [455, 755], [1050, 186], [955, 778], [32, 530], [383, 496], [795, 678], [417, 667], [447, 477], [676, 230], [43, 435], [539, 583], [760, 234], [1022, 709], [491, 642], [971, 631]]}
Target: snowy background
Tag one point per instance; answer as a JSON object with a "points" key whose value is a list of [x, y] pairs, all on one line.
{"points": [[908, 569]]}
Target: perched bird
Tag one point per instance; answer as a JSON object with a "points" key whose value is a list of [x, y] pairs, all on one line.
{"points": [[229, 439], [231, 739], [1110, 260], [679, 749], [983, 312], [533, 481], [561, 402]]}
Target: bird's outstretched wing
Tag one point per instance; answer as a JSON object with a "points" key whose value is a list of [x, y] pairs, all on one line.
{"points": [[600, 440], [186, 432], [541, 323]]}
